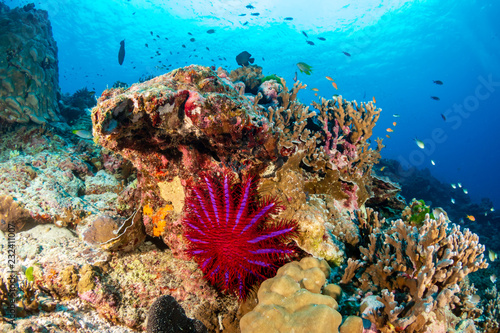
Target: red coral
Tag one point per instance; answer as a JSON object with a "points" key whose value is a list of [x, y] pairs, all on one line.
{"points": [[226, 226]]}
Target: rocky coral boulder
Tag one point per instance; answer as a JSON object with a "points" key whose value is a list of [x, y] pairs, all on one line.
{"points": [[29, 74]]}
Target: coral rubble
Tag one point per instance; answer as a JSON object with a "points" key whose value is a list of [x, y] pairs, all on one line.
{"points": [[29, 74]]}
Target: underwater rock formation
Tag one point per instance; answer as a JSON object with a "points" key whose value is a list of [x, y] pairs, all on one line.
{"points": [[29, 74]]}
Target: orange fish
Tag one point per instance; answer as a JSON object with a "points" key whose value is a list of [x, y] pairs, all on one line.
{"points": [[389, 130], [374, 100], [382, 168], [472, 218], [315, 94], [329, 78], [334, 85], [394, 123], [315, 89], [388, 136]]}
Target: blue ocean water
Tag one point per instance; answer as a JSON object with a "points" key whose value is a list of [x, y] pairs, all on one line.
{"points": [[397, 49]]}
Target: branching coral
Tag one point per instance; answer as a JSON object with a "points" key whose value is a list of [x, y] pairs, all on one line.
{"points": [[416, 270]]}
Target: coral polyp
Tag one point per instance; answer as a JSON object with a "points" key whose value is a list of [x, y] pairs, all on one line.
{"points": [[232, 234]]}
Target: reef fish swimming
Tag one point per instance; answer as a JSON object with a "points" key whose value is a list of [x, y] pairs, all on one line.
{"points": [[121, 53], [243, 59], [304, 68]]}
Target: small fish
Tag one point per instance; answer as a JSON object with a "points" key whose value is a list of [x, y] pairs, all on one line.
{"points": [[192, 39], [396, 115], [471, 217], [242, 15], [184, 46], [390, 130], [255, 14], [151, 33], [315, 89], [452, 201], [382, 168], [474, 299], [435, 98], [304, 33], [288, 18], [419, 143], [91, 93], [334, 85], [443, 116], [492, 255], [461, 221], [453, 186], [438, 82], [465, 191], [394, 123], [82, 134], [190, 34], [121, 53], [374, 100], [250, 6], [388, 136], [304, 68], [432, 162], [146, 45], [210, 31], [295, 77], [309, 42], [346, 53], [315, 94], [492, 209], [329, 78], [459, 185], [437, 211], [246, 22], [207, 48], [322, 38], [493, 278], [244, 59]]}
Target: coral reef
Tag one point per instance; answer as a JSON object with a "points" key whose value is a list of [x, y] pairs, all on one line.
{"points": [[295, 300], [231, 234], [415, 271], [193, 119], [28, 66], [250, 75]]}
